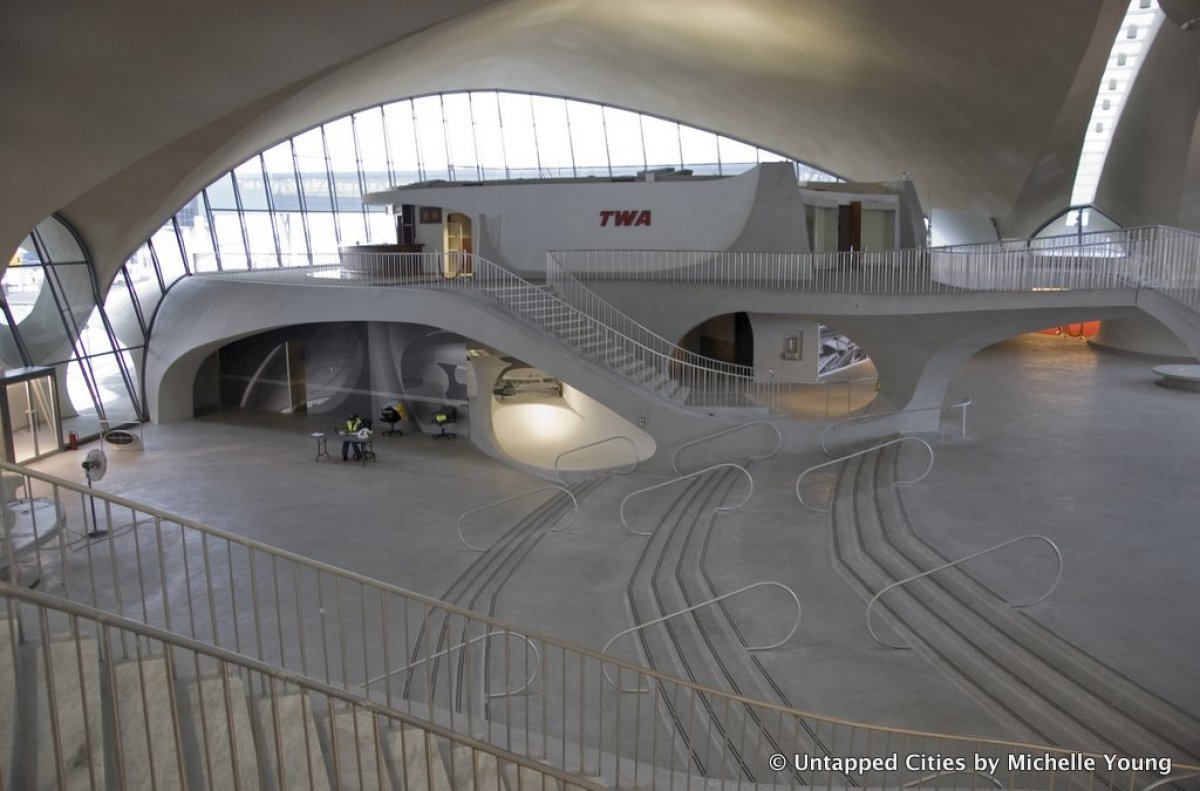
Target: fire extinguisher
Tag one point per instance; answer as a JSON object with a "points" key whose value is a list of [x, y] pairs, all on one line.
{"points": [[73, 441]]}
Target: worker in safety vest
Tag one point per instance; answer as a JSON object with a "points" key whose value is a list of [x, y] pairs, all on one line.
{"points": [[353, 426]]}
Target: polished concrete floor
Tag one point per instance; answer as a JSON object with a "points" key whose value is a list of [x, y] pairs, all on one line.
{"points": [[1063, 441]]}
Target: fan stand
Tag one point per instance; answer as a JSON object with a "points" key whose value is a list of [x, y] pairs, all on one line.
{"points": [[95, 531]]}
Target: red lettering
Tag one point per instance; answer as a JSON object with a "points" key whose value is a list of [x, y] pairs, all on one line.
{"points": [[643, 218], [626, 217], [605, 215]]}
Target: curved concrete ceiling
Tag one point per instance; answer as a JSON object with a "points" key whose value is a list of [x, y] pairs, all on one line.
{"points": [[122, 116]]}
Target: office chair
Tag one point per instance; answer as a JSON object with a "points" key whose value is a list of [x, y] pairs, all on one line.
{"points": [[442, 418], [391, 416]]}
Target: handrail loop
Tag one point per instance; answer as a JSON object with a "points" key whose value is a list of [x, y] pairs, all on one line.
{"points": [[707, 603], [632, 467], [1053, 585], [896, 441], [722, 432], [718, 509], [555, 487], [537, 655], [1169, 780], [966, 402]]}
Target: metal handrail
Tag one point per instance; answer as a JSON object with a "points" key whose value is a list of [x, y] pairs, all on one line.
{"points": [[724, 431], [695, 607], [554, 487], [848, 456], [1169, 780], [961, 405], [718, 509], [537, 655], [632, 467], [1053, 585]]}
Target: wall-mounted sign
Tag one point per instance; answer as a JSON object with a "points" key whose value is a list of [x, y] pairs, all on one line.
{"points": [[625, 217], [430, 215]]}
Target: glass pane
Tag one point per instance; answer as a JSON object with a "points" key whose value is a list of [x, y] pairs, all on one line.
{"points": [[34, 422], [737, 157], [118, 305], [662, 143], [520, 149], [229, 237], [353, 227], [588, 138], [699, 149], [60, 245], [293, 245], [220, 193], [431, 136], [139, 267], [372, 150], [262, 240], [402, 142], [310, 156], [166, 248], [197, 237], [323, 235], [460, 134], [339, 142], [624, 141], [23, 280], [553, 138], [489, 142], [250, 185], [282, 176]]}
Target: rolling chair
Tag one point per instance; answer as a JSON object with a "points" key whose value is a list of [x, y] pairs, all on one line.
{"points": [[443, 417], [392, 415]]}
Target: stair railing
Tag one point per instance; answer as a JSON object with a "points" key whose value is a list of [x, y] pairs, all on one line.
{"points": [[966, 402], [723, 432], [693, 608], [863, 452], [555, 488], [376, 726], [615, 438], [1057, 577], [696, 474]]}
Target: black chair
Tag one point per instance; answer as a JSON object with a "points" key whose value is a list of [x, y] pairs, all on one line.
{"points": [[443, 417], [390, 416]]}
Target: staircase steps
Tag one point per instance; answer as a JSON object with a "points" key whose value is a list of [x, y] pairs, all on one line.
{"points": [[68, 716], [291, 748], [220, 722], [357, 763], [149, 746], [418, 760]]}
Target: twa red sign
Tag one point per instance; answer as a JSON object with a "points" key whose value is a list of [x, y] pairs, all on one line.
{"points": [[625, 217]]}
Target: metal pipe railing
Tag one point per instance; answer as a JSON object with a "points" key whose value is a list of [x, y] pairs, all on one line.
{"points": [[981, 553], [708, 603], [615, 437], [556, 488], [960, 405], [771, 453], [141, 751], [871, 449], [696, 474]]}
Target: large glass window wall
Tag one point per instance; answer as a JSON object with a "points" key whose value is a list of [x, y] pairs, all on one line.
{"points": [[296, 202]]}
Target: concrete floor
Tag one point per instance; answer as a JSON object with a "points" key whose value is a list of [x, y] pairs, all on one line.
{"points": [[1063, 441]]}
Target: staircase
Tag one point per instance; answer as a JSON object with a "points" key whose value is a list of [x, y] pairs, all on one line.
{"points": [[93, 704], [644, 367]]}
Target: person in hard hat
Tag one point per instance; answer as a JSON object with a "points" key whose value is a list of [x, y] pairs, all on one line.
{"points": [[354, 425]]}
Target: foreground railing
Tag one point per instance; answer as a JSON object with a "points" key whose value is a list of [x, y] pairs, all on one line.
{"points": [[723, 508], [343, 631], [241, 719], [725, 432]]}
